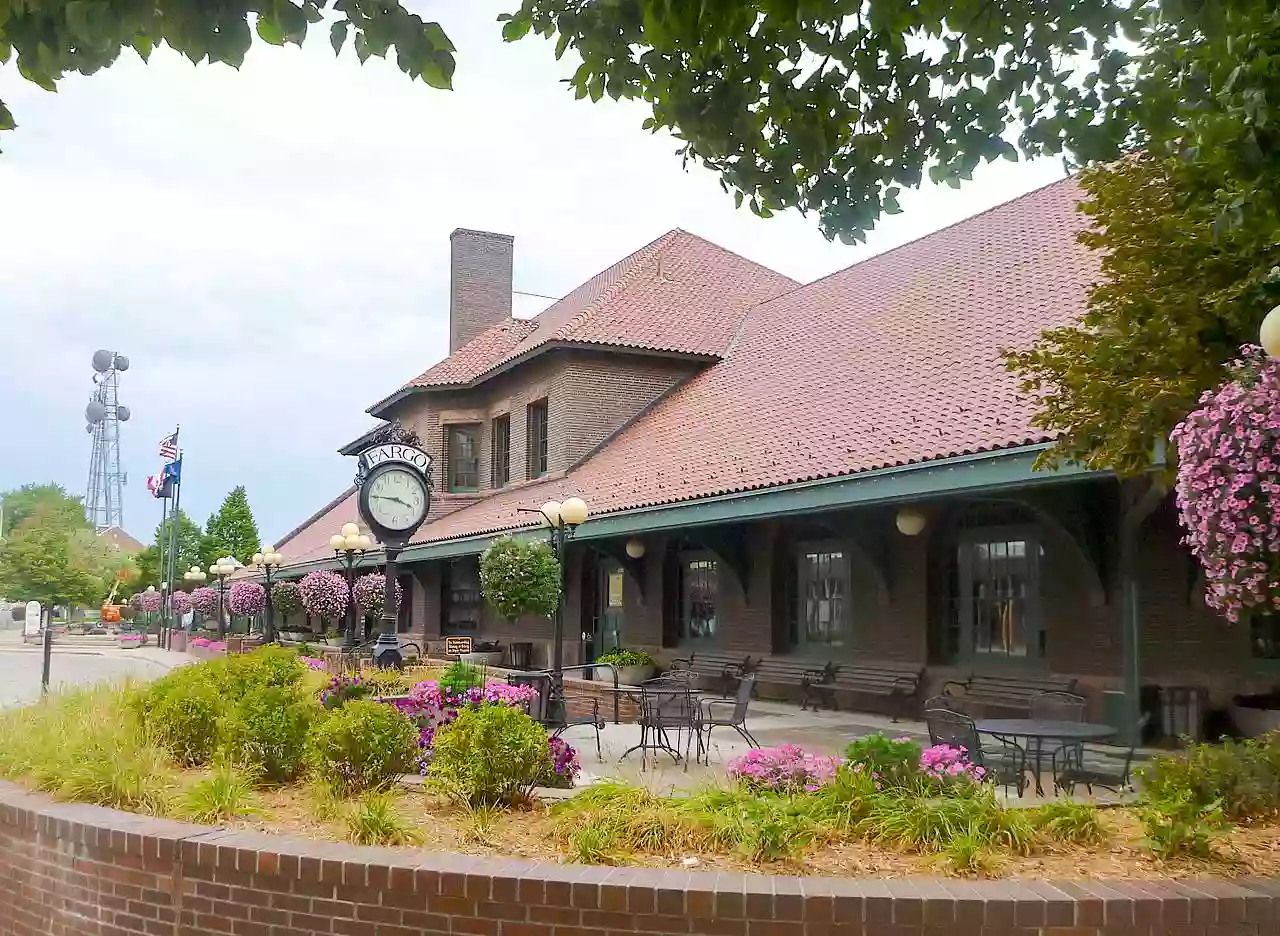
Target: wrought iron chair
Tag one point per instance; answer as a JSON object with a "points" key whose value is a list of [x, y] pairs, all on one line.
{"points": [[944, 703], [1058, 706], [735, 717], [1006, 765], [1096, 764]]}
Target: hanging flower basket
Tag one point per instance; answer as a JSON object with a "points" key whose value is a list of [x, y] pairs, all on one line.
{"points": [[324, 595]]}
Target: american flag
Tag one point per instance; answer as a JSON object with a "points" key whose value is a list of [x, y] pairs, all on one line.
{"points": [[169, 447]]}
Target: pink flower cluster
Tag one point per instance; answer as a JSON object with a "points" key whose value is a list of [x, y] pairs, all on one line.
{"points": [[1228, 487], [217, 646], [180, 602], [150, 601], [205, 599], [312, 663], [786, 769], [247, 598], [944, 762], [369, 591], [325, 595]]}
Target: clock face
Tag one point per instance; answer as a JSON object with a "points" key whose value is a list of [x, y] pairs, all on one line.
{"points": [[397, 499]]}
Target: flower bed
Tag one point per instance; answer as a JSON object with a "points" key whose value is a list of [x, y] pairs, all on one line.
{"points": [[131, 641], [205, 648]]}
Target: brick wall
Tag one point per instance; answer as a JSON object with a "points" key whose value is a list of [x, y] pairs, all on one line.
{"points": [[75, 870]]}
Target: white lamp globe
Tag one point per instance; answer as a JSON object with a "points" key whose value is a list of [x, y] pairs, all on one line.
{"points": [[910, 522], [1269, 333], [366, 542], [257, 559], [635, 548], [574, 511], [338, 541], [350, 529], [551, 514]]}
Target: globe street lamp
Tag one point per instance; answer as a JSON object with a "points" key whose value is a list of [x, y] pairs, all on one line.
{"points": [[220, 570], [195, 576], [1269, 333], [563, 520], [349, 544], [267, 562]]}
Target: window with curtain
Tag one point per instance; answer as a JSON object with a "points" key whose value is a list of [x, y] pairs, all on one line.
{"points": [[699, 594], [464, 458], [462, 599], [500, 451], [822, 597], [536, 439]]}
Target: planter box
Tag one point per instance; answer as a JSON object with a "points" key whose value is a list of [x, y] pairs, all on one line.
{"points": [[1255, 722], [493, 658], [629, 675], [178, 641]]}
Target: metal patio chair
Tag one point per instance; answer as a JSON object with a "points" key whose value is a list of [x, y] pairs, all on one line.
{"points": [[734, 716], [1006, 765]]}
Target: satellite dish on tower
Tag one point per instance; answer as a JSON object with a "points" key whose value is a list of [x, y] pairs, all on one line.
{"points": [[123, 413], [122, 362], [102, 361], [95, 412]]}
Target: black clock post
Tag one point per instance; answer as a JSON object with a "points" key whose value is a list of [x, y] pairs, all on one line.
{"points": [[394, 478]]}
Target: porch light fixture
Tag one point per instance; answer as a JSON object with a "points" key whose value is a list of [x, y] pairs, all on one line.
{"points": [[635, 548], [910, 522], [351, 540], [1269, 333], [349, 543]]}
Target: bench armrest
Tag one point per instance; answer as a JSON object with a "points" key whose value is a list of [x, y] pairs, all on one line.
{"points": [[957, 683]]}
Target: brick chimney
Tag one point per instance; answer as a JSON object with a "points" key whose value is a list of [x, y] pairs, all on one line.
{"points": [[479, 283]]}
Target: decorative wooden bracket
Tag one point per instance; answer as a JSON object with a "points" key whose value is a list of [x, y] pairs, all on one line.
{"points": [[1082, 531], [632, 569]]}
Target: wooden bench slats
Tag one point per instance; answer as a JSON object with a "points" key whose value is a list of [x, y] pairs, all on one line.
{"points": [[1011, 692]]}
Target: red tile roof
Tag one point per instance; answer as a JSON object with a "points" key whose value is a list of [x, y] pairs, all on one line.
{"points": [[892, 361], [679, 294]]}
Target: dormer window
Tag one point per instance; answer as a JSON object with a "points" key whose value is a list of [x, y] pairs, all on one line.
{"points": [[536, 439], [464, 458]]}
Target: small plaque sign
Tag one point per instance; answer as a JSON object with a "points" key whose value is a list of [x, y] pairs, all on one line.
{"points": [[457, 646]]}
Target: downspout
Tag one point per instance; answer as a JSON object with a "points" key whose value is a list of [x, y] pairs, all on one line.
{"points": [[1130, 619]]}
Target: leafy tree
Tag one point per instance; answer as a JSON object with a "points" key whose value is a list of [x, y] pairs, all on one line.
{"points": [[189, 546], [44, 560], [231, 531], [60, 507], [1180, 295], [830, 107]]}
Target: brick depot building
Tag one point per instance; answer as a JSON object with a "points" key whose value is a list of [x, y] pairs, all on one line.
{"points": [[752, 450]]}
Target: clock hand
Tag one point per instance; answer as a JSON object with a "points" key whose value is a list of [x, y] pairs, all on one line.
{"points": [[396, 499]]}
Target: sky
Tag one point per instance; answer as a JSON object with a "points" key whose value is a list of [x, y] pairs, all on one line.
{"points": [[269, 246]]}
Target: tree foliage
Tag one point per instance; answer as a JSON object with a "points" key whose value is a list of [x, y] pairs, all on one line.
{"points": [[231, 531], [1179, 296], [50, 560], [189, 541], [59, 506]]}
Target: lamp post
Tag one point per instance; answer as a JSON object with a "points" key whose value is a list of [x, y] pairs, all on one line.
{"points": [[267, 563], [563, 520], [349, 544], [220, 570], [151, 590], [164, 613]]}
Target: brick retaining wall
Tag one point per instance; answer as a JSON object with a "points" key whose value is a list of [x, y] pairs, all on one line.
{"points": [[77, 870]]}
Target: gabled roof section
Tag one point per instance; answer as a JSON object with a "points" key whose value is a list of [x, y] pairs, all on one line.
{"points": [[679, 294], [894, 361]]}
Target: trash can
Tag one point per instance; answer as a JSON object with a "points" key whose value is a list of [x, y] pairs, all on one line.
{"points": [[520, 655], [1182, 711]]}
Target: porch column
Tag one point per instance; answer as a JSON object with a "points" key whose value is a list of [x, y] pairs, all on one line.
{"points": [[1141, 497]]}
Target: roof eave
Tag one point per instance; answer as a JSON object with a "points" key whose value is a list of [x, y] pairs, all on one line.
{"points": [[382, 408]]}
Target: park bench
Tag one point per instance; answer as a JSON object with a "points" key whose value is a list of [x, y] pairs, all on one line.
{"points": [[985, 694], [718, 669], [899, 683]]}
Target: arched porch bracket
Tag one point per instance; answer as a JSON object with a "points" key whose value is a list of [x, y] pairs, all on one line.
{"points": [[1079, 529], [730, 551], [870, 548], [632, 569]]}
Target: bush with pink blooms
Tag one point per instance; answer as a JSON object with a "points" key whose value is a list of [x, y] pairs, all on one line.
{"points": [[180, 602], [324, 595], [370, 590], [205, 600], [246, 598], [949, 764], [150, 601], [1228, 487], [785, 769]]}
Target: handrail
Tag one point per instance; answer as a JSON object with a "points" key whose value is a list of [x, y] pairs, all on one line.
{"points": [[617, 711]]}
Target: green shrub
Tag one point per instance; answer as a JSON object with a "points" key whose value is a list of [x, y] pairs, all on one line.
{"points": [[761, 826], [1179, 826], [459, 677], [267, 729], [929, 824], [1242, 777], [621, 657], [182, 712], [896, 760], [267, 666], [492, 755], [605, 822], [363, 745]]}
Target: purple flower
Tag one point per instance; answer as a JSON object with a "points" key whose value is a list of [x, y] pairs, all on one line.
{"points": [[325, 595], [247, 598]]}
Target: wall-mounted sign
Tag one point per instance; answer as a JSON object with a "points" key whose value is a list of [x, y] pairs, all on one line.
{"points": [[457, 646]]}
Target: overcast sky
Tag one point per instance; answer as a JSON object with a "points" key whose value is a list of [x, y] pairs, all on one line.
{"points": [[270, 246]]}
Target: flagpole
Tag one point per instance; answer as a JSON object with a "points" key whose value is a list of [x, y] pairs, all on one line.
{"points": [[164, 526], [175, 541]]}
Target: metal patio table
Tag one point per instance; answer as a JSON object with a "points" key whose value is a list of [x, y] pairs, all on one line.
{"points": [[1039, 730]]}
